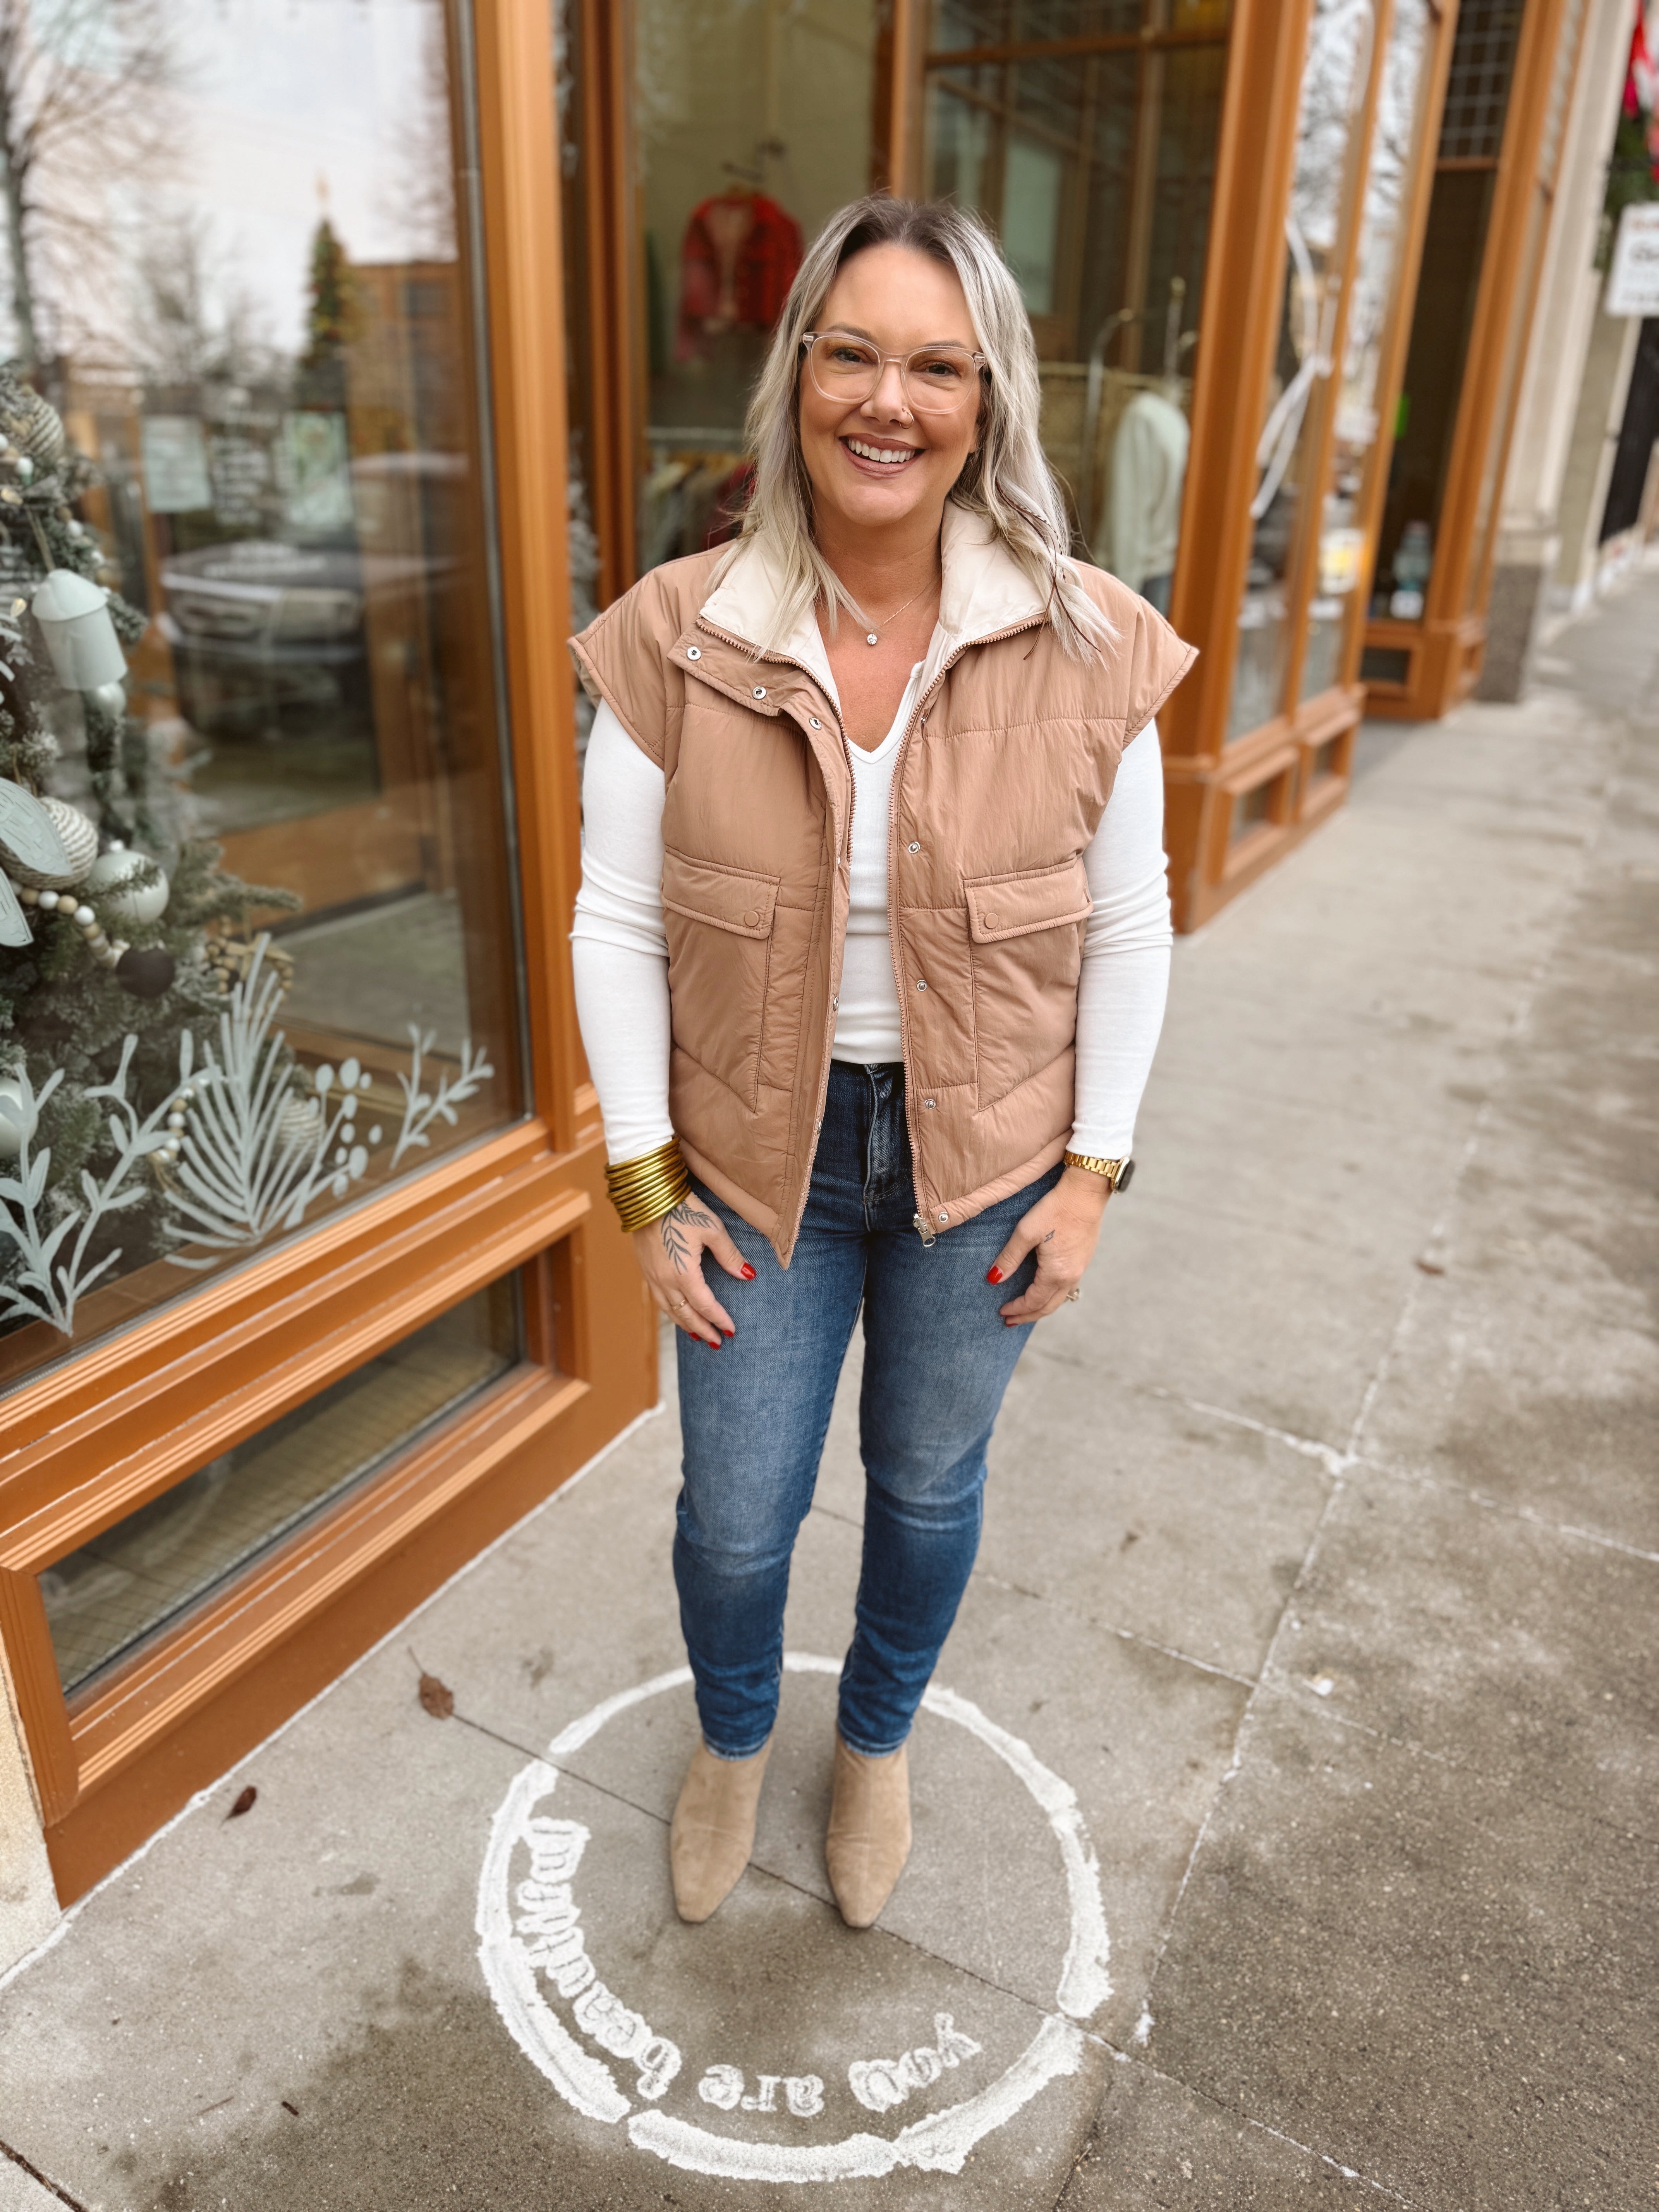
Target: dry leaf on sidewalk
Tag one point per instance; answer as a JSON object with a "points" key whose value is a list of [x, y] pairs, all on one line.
{"points": [[244, 1803], [437, 1698]]}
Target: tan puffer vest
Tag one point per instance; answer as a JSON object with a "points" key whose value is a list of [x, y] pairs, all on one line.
{"points": [[1001, 780]]}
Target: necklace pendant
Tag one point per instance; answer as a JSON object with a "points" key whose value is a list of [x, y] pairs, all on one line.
{"points": [[869, 638]]}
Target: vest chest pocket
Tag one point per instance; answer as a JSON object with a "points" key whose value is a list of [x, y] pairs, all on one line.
{"points": [[1025, 935], [718, 921]]}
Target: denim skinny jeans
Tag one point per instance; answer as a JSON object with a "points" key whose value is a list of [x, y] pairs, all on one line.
{"points": [[937, 1359]]}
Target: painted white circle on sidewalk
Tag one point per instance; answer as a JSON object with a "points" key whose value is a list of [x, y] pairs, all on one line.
{"points": [[533, 1949]]}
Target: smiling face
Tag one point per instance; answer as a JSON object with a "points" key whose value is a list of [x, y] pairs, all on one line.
{"points": [[878, 466]]}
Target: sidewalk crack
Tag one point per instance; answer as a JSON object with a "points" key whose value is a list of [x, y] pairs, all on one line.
{"points": [[44, 2179], [1308, 2150]]}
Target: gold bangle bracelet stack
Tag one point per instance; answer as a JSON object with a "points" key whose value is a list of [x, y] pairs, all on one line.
{"points": [[644, 1189]]}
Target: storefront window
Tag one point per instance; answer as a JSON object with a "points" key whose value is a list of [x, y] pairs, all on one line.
{"points": [[1337, 604], [1334, 81], [1484, 49], [257, 950], [117, 1591], [1086, 136], [752, 126]]}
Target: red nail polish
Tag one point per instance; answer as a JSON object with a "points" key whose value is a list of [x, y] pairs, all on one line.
{"points": [[748, 1273], [993, 1275], [730, 1331]]}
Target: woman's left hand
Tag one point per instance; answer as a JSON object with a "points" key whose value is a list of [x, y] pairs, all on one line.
{"points": [[1063, 1229]]}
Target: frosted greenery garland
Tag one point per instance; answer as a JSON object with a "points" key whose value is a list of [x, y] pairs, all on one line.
{"points": [[46, 1287], [247, 1150]]}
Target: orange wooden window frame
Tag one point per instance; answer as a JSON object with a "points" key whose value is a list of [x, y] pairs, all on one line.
{"points": [[1304, 751], [117, 1425], [1446, 647]]}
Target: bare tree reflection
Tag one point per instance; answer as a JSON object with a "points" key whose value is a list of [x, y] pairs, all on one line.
{"points": [[82, 109]]}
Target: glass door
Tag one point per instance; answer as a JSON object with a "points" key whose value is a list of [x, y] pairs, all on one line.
{"points": [[1285, 511], [752, 124], [1087, 136]]}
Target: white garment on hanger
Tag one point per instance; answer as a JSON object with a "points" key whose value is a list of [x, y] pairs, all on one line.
{"points": [[1149, 469]]}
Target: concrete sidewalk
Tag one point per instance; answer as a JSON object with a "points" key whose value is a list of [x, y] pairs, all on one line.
{"points": [[1288, 1837]]}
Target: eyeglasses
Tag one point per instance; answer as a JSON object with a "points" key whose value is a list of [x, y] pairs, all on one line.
{"points": [[936, 380]]}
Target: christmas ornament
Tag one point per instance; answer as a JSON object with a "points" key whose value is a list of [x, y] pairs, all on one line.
{"points": [[112, 697], [18, 1121], [28, 837], [78, 842], [112, 879], [73, 613], [36, 427], [145, 970]]}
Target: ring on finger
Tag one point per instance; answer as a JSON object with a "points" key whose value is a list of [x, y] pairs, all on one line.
{"points": [[1075, 1294]]}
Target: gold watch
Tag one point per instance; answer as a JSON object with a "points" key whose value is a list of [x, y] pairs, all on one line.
{"points": [[1116, 1172]]}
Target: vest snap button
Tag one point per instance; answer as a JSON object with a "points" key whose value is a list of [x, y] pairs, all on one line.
{"points": [[930, 1102], [912, 848], [990, 922], [814, 720], [945, 1217], [760, 690], [921, 986], [751, 919], [694, 653]]}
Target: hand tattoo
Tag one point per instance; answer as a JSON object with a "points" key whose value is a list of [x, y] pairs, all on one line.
{"points": [[1049, 1237], [672, 1228]]}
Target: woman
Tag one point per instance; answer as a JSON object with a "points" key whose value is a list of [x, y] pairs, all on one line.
{"points": [[870, 974]]}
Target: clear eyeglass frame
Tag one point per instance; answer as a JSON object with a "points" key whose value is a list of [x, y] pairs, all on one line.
{"points": [[857, 385]]}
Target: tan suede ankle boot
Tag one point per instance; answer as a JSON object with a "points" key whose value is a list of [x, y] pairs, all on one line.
{"points": [[714, 1828], [869, 1836]]}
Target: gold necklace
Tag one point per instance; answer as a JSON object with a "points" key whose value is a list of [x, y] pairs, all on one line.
{"points": [[870, 636]]}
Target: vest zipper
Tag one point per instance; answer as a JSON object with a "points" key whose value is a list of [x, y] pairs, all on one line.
{"points": [[923, 1227], [788, 661]]}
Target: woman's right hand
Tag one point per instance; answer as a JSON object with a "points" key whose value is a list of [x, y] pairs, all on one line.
{"points": [[670, 1253]]}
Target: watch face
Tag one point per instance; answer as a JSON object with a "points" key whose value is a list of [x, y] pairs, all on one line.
{"points": [[1124, 1173]]}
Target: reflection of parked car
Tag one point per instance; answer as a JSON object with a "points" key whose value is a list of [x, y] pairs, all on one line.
{"points": [[257, 625]]}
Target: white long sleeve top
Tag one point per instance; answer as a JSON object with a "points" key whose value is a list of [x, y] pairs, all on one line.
{"points": [[621, 948]]}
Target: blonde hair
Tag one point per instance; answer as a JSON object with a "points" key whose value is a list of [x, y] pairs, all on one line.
{"points": [[1008, 480]]}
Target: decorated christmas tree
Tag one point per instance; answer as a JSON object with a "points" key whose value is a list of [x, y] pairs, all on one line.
{"points": [[116, 953]]}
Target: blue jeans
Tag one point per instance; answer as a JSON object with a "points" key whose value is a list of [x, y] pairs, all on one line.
{"points": [[937, 1359]]}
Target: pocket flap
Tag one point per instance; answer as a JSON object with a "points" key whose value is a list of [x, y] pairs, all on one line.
{"points": [[1037, 898], [729, 898]]}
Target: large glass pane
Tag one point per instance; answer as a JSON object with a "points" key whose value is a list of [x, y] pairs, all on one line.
{"points": [[1477, 86], [1094, 161], [1447, 287], [119, 1589], [251, 410], [1334, 81], [753, 125], [1337, 604]]}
